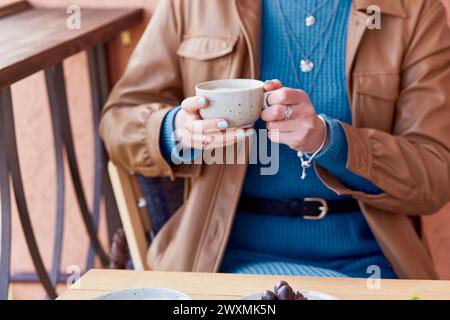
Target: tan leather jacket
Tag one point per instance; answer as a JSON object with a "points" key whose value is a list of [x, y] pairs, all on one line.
{"points": [[398, 85]]}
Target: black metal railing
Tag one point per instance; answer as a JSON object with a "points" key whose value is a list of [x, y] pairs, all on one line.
{"points": [[56, 43], [63, 144]]}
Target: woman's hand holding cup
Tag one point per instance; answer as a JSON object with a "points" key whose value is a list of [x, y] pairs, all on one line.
{"points": [[292, 120], [194, 132]]}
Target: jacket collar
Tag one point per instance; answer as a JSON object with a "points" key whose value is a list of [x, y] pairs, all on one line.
{"points": [[391, 7]]}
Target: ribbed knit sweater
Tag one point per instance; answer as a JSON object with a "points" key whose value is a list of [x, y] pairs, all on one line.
{"points": [[340, 244]]}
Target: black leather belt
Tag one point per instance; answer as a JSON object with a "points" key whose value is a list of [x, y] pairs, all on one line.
{"points": [[308, 208]]}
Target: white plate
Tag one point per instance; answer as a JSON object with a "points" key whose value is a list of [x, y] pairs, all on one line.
{"points": [[310, 295], [145, 294]]}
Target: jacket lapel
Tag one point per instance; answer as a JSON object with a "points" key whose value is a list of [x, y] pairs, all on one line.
{"points": [[249, 12], [356, 28]]}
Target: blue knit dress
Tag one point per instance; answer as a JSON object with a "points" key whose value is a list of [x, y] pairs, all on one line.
{"points": [[341, 245]]}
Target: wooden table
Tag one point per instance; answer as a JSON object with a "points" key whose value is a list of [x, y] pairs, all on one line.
{"points": [[34, 38], [210, 286]]}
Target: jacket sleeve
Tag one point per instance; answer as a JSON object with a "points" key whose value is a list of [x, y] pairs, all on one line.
{"points": [[334, 159], [411, 165], [132, 118]]}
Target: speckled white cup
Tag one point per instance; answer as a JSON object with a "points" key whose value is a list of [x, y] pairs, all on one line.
{"points": [[239, 101]]}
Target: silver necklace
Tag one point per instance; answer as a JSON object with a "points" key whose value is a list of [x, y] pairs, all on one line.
{"points": [[311, 19], [306, 64]]}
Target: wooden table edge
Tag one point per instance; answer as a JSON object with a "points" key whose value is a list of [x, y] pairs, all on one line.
{"points": [[41, 61], [401, 289]]}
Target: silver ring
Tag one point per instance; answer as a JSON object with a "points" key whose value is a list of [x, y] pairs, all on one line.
{"points": [[266, 99], [289, 113]]}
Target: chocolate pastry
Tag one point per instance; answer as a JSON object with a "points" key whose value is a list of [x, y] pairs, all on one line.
{"points": [[299, 296], [282, 291], [269, 295], [285, 293], [279, 285]]}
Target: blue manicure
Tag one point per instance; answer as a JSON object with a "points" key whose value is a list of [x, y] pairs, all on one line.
{"points": [[240, 134], [202, 101], [222, 124]]}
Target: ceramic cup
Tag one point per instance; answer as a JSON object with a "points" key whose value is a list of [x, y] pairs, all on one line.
{"points": [[239, 101]]}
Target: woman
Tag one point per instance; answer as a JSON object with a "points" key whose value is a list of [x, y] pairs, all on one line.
{"points": [[366, 108]]}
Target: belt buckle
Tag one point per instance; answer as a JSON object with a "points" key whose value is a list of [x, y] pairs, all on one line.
{"points": [[323, 209]]}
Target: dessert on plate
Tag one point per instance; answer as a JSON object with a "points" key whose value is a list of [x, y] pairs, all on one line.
{"points": [[282, 291]]}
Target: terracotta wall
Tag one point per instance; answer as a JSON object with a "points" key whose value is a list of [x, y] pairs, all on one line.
{"points": [[35, 145]]}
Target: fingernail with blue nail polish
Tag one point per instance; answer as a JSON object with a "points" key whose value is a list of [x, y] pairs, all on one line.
{"points": [[240, 134], [202, 101], [222, 124]]}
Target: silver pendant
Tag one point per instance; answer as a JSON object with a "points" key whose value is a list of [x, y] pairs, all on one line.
{"points": [[310, 21], [304, 164], [306, 65]]}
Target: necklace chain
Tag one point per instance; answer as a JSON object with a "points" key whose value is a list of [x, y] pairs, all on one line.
{"points": [[310, 15], [305, 59], [305, 55]]}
